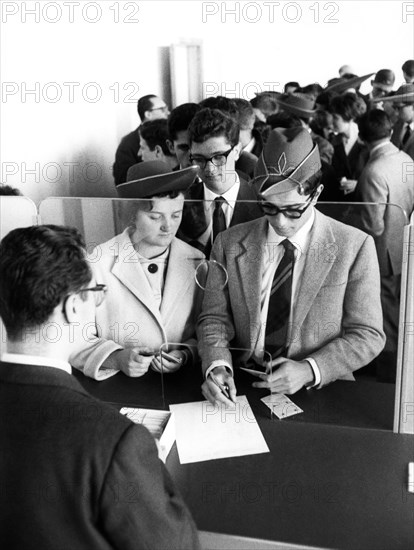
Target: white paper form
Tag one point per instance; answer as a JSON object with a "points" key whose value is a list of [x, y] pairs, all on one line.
{"points": [[206, 432]]}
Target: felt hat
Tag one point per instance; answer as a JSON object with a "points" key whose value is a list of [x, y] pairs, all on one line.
{"points": [[403, 96], [150, 178], [297, 104], [288, 160], [340, 85], [384, 79]]}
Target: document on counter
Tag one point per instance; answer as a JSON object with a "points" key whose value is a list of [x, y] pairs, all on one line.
{"points": [[206, 432]]}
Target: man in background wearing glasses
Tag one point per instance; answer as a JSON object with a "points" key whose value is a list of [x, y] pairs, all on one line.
{"points": [[75, 473], [228, 199], [303, 290], [150, 107]]}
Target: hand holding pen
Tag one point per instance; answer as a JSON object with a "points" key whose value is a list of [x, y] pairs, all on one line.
{"points": [[219, 387]]}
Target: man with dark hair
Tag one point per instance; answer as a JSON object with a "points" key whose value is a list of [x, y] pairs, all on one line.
{"points": [[155, 144], [403, 132], [215, 148], [386, 180], [250, 137], [290, 87], [297, 288], [178, 123], [75, 473], [149, 107], [264, 105], [408, 71]]}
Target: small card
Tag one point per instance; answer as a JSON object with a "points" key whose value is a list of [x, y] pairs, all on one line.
{"points": [[281, 405]]}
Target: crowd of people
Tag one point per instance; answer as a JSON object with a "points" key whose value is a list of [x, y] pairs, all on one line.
{"points": [[297, 296]]}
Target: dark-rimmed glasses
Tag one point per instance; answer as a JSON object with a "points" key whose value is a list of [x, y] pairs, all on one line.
{"points": [[99, 293], [271, 209], [219, 159]]}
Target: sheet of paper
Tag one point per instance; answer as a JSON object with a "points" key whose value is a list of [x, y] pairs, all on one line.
{"points": [[206, 432], [281, 405], [154, 420]]}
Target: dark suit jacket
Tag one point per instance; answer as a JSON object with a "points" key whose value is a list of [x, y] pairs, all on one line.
{"points": [[194, 222], [349, 166], [78, 475], [397, 136], [126, 156]]}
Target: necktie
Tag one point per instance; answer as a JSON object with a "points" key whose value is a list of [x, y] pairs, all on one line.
{"points": [[219, 220], [279, 303], [406, 135]]}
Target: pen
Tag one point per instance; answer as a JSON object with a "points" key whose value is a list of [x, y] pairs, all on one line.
{"points": [[170, 357], [223, 387]]}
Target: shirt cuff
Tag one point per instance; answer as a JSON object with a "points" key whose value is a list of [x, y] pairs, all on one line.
{"points": [[316, 373], [219, 363]]}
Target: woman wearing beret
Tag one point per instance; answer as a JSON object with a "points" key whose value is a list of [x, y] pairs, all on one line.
{"points": [[152, 295]]}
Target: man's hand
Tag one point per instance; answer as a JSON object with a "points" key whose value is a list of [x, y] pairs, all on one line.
{"points": [[169, 365], [213, 393], [134, 362], [289, 378]]}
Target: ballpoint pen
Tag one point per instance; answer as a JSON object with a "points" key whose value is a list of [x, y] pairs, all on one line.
{"points": [[223, 387]]}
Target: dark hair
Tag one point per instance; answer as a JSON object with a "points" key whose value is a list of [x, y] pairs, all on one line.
{"points": [[320, 121], [324, 100], [8, 190], [39, 267], [245, 112], [292, 84], [209, 123], [155, 132], [144, 104], [283, 120], [348, 106], [374, 125], [312, 182], [265, 102], [225, 104], [408, 67], [311, 90], [180, 118]]}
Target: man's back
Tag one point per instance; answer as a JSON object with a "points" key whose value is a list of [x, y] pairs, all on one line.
{"points": [[126, 156], [78, 475]]}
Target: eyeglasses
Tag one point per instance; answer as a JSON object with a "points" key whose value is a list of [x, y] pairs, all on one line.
{"points": [[219, 159], [164, 109], [271, 209], [100, 292]]}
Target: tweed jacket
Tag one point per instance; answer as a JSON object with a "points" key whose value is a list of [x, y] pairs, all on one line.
{"points": [[337, 318], [129, 316]]}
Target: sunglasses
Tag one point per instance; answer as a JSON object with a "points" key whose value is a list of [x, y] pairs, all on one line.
{"points": [[271, 209]]}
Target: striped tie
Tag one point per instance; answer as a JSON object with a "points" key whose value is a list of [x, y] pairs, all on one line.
{"points": [[279, 303]]}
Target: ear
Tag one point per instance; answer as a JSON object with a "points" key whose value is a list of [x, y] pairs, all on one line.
{"points": [[70, 308], [159, 152], [170, 146], [237, 151]]}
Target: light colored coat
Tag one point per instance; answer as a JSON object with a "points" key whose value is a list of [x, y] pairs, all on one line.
{"points": [[337, 319], [129, 315], [387, 178]]}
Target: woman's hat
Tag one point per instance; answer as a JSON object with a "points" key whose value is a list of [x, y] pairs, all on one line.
{"points": [[153, 177], [341, 85], [403, 96], [288, 160]]}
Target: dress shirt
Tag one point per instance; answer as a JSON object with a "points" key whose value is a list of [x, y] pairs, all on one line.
{"points": [[250, 146], [273, 253], [228, 207], [37, 360]]}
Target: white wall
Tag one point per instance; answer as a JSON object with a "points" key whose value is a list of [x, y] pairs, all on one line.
{"points": [[69, 144]]}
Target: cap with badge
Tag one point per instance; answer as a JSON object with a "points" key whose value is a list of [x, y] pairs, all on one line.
{"points": [[403, 96], [288, 160], [153, 177]]}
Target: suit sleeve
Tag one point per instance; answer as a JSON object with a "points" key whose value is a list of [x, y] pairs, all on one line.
{"points": [[215, 329], [139, 506], [362, 337], [372, 187]]}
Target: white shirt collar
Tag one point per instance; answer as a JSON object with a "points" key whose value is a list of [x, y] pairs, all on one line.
{"points": [[299, 239], [230, 195], [37, 360], [379, 146]]}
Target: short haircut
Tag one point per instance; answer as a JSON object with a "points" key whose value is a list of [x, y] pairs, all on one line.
{"points": [[408, 67], [265, 102], [225, 104], [292, 84], [245, 113], [311, 90], [321, 121], [283, 120], [310, 185], [39, 267], [209, 123], [349, 106], [180, 118], [155, 132], [374, 125], [8, 190], [144, 104]]}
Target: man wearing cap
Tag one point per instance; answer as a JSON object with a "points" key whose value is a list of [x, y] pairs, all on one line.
{"points": [[153, 297], [150, 107], [403, 133], [382, 85], [386, 180], [222, 199], [408, 71], [301, 286]]}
